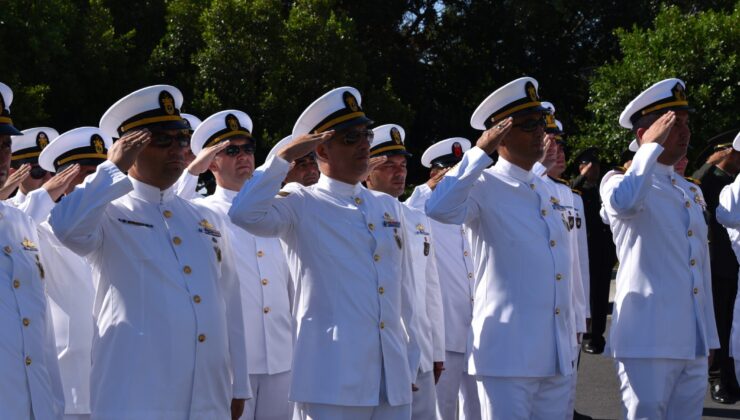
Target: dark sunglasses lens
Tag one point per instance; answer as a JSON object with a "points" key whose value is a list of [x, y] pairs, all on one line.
{"points": [[354, 136], [233, 150], [38, 172]]}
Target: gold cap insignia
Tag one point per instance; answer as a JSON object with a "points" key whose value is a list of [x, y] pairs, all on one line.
{"points": [[97, 143], [42, 140], [350, 101], [396, 135], [550, 119], [232, 122], [167, 102], [679, 92], [531, 91]]}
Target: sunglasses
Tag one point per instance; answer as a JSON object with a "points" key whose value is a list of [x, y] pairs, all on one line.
{"points": [[163, 140], [529, 126], [352, 137], [233, 149]]}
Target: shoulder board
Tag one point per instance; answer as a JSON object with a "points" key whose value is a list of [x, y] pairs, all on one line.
{"points": [[621, 169], [693, 180], [283, 193], [575, 191], [560, 181]]}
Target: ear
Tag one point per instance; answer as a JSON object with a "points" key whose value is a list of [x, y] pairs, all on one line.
{"points": [[213, 166], [639, 133], [321, 152]]}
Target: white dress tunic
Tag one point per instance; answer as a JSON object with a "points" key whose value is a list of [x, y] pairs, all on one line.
{"points": [[663, 304], [522, 266], [346, 252], [30, 385], [169, 335]]}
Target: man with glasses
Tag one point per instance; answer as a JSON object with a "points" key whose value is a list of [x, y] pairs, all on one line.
{"points": [[26, 150], [265, 282], [169, 336], [348, 253], [455, 269], [389, 156], [663, 325], [31, 387], [524, 331], [304, 171]]}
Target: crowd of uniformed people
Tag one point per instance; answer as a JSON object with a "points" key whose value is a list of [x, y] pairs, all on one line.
{"points": [[305, 289]]}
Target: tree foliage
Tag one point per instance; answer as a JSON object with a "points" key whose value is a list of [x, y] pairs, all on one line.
{"points": [[424, 64]]}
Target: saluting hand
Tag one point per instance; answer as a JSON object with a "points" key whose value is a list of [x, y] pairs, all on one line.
{"points": [[491, 138], [14, 180], [373, 163], [124, 151], [659, 130], [303, 145], [201, 162], [550, 157], [437, 178], [59, 183]]}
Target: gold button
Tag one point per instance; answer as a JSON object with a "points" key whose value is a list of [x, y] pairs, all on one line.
{"points": [[690, 233], [26, 322], [544, 212], [381, 290], [559, 277], [28, 361], [371, 226], [688, 204], [470, 275], [696, 290], [16, 283], [187, 269], [196, 299], [472, 300], [531, 186], [382, 325], [552, 242], [358, 200], [376, 257], [202, 338], [8, 249], [264, 282], [557, 311], [266, 310], [692, 262], [167, 214], [465, 253], [260, 253], [176, 240]]}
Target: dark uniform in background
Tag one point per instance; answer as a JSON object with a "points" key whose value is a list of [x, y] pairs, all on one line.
{"points": [[724, 386], [601, 251]]}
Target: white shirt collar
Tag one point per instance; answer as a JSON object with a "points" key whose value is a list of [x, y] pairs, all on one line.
{"points": [[151, 193], [505, 167], [661, 169], [338, 187], [225, 194]]}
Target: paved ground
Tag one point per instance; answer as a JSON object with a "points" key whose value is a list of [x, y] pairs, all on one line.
{"points": [[597, 394]]}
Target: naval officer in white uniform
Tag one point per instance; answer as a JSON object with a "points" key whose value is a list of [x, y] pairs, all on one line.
{"points": [[663, 325], [348, 253], [457, 392], [262, 268], [522, 261], [169, 337], [389, 176], [30, 387]]}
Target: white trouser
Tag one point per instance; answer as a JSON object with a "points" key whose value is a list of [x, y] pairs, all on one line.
{"points": [[574, 381], [662, 388], [506, 398], [269, 397], [737, 368], [384, 411], [456, 383], [424, 404]]}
